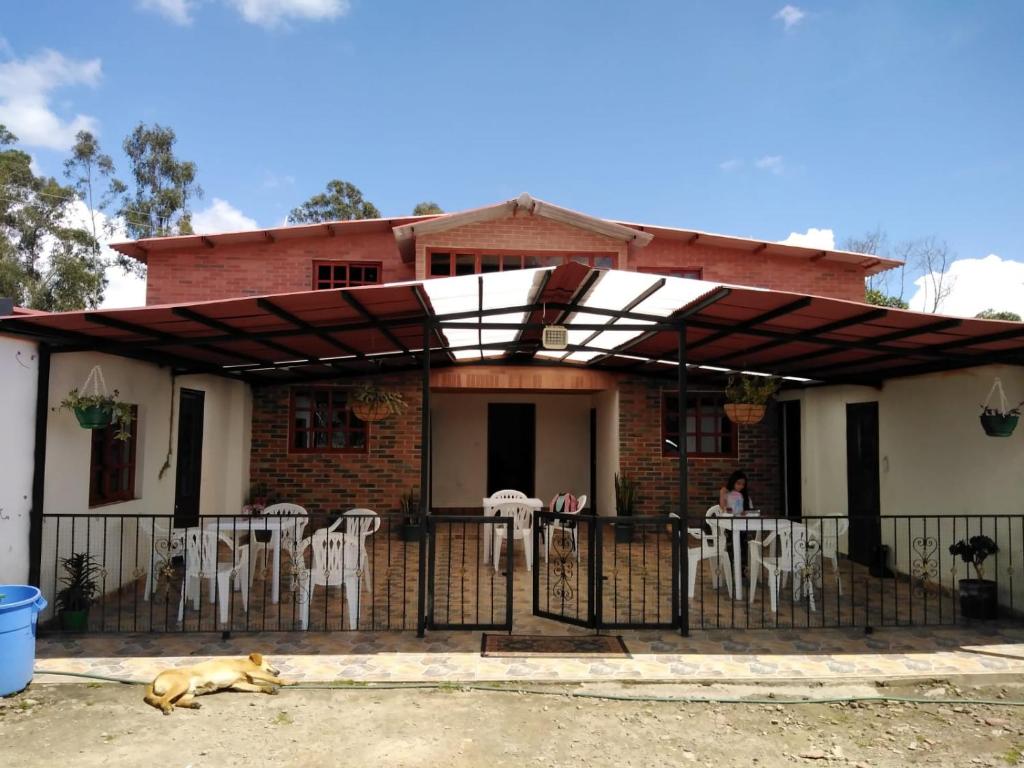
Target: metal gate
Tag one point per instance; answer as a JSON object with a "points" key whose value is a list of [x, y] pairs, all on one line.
{"points": [[607, 573]]}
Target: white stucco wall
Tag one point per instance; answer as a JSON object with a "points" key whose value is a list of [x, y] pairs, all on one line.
{"points": [[607, 404], [935, 460], [225, 467], [19, 373], [459, 438]]}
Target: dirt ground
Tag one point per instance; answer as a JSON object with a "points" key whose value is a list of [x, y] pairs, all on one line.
{"points": [[108, 725]]}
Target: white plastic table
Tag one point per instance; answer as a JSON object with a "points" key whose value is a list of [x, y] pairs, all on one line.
{"points": [[246, 524], [737, 524], [489, 505]]}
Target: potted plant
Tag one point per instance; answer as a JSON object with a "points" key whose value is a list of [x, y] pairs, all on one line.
{"points": [[79, 591], [412, 521], [978, 597], [97, 411], [999, 423], [627, 497], [256, 501], [747, 397], [371, 403]]}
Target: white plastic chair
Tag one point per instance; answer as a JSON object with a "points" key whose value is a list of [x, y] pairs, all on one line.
{"points": [[522, 517], [291, 533], [334, 561], [495, 498], [796, 553], [160, 542], [202, 562], [713, 546], [361, 522], [826, 532], [571, 528]]}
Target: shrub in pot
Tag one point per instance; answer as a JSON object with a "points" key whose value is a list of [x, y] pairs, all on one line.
{"points": [[97, 411], [371, 403], [627, 496], [79, 591], [412, 522], [747, 397], [978, 597]]}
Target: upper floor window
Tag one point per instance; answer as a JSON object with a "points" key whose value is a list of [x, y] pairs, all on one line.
{"points": [[344, 274], [694, 273], [112, 464], [709, 432], [447, 263], [321, 422]]}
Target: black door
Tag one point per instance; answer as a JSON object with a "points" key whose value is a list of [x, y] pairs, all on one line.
{"points": [[862, 480], [592, 501], [190, 458], [792, 478], [511, 447]]}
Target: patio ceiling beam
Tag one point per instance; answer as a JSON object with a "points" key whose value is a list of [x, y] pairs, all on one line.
{"points": [[268, 306], [785, 309], [209, 322], [167, 338], [417, 292], [873, 378], [663, 326], [636, 302], [374, 322], [1014, 356], [864, 317], [545, 279]]}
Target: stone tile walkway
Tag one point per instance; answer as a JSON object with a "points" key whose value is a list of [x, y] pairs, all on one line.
{"points": [[740, 656]]}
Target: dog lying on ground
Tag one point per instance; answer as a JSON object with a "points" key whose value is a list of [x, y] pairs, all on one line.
{"points": [[179, 687]]}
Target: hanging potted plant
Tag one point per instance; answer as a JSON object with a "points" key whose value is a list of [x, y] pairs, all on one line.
{"points": [[95, 409], [1001, 421], [747, 397], [371, 403], [978, 597], [79, 591]]}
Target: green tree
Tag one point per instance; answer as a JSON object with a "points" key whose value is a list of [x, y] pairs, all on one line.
{"points": [[426, 208], [160, 204], [45, 261], [875, 296], [995, 314], [341, 202], [91, 173]]}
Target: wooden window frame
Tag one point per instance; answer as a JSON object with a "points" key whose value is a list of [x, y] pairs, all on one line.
{"points": [[687, 272], [103, 464], [711, 399], [329, 430], [347, 283], [584, 257]]}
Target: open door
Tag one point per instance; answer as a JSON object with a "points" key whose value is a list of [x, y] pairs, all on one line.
{"points": [[188, 476], [862, 480], [511, 447]]}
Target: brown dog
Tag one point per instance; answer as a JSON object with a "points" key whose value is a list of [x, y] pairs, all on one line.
{"points": [[179, 687]]}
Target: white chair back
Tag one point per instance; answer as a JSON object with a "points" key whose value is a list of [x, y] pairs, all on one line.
{"points": [[827, 533], [360, 522], [581, 502], [508, 495], [201, 553], [334, 556], [521, 514], [165, 541], [285, 508]]}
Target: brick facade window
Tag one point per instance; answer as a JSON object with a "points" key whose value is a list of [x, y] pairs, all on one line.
{"points": [[322, 423], [112, 464], [694, 273], [709, 432], [345, 274], [446, 263]]}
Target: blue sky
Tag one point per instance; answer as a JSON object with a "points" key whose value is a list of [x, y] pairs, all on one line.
{"points": [[749, 118]]}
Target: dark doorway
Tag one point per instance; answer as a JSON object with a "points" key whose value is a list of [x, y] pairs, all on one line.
{"points": [[511, 447], [592, 501], [862, 480], [792, 476], [190, 458]]}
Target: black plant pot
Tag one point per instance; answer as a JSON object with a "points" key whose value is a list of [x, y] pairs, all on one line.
{"points": [[74, 621], [624, 534], [410, 531], [978, 599], [998, 425]]}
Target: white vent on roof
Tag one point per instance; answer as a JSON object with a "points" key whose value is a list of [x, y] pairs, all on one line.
{"points": [[554, 337]]}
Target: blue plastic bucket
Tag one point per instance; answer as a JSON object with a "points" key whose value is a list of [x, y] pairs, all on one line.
{"points": [[19, 609]]}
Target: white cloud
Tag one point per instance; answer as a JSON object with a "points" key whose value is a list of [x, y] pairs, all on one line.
{"points": [[790, 16], [221, 216], [123, 289], [977, 285], [771, 163], [178, 11], [824, 239], [731, 164], [269, 13], [25, 90]]}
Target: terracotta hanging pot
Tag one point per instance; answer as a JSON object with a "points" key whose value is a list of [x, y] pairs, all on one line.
{"points": [[744, 413], [371, 411]]}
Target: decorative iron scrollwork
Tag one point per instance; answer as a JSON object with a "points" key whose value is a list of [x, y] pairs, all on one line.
{"points": [[562, 563], [924, 563]]}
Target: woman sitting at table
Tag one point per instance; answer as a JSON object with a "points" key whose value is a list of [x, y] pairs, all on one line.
{"points": [[734, 499]]}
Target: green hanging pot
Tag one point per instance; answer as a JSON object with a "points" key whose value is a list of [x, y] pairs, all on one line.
{"points": [[998, 424], [93, 417]]}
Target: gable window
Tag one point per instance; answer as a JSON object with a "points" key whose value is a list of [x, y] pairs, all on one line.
{"points": [[321, 422], [447, 263], [709, 432], [344, 274], [693, 273], [112, 464]]}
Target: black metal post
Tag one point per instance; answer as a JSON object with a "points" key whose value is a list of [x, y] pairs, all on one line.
{"points": [[35, 529], [681, 579], [421, 623]]}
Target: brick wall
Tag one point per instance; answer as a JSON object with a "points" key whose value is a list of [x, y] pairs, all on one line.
{"points": [[334, 482], [640, 456]]}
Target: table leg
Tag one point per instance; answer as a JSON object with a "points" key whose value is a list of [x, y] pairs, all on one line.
{"points": [[488, 531], [275, 589], [737, 564]]}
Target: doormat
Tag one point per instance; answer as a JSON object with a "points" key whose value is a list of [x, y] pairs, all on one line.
{"points": [[554, 646]]}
